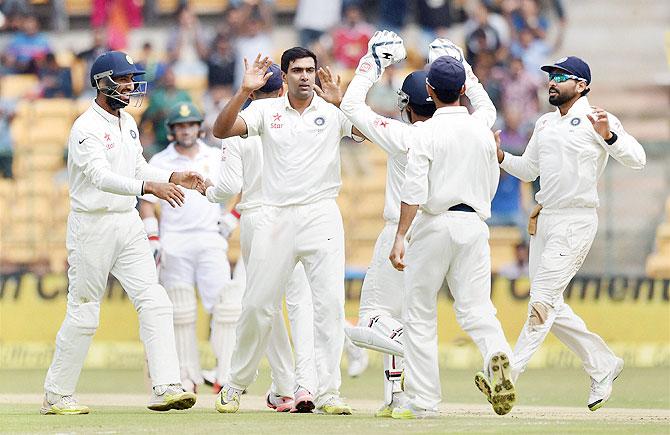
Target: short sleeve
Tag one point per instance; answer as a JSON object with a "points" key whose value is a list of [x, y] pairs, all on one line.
{"points": [[253, 117]]}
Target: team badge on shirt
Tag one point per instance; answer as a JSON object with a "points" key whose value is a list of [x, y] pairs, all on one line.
{"points": [[575, 122], [133, 134], [319, 121]]}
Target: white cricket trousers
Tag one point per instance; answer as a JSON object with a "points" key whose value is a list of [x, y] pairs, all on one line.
{"points": [[286, 376], [99, 244], [382, 290], [454, 245], [557, 251], [312, 234]]}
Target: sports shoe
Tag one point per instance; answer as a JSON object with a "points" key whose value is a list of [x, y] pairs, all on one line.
{"points": [[358, 361], [209, 377], [386, 409], [601, 391], [278, 402], [170, 396], [228, 400], [303, 402], [498, 388], [334, 406], [410, 412], [55, 404]]}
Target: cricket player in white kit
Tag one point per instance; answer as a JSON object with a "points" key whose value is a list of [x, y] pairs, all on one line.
{"points": [[105, 235], [379, 325], [241, 168], [452, 175], [568, 150], [186, 240], [299, 222]]}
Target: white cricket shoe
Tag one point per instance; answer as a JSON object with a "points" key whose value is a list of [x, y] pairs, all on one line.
{"points": [[170, 396], [228, 400], [497, 385], [358, 361], [410, 412], [55, 404], [334, 406], [278, 402], [601, 391]]}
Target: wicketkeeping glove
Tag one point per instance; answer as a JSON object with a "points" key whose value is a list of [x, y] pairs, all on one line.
{"points": [[444, 47], [384, 48]]}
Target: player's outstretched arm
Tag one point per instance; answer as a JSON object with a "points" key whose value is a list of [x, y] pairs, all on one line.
{"points": [[481, 102], [169, 192], [390, 134], [228, 123], [188, 179]]}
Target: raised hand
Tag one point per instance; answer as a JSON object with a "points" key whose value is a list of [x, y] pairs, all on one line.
{"points": [[256, 75], [600, 122], [444, 47], [330, 89], [384, 48]]}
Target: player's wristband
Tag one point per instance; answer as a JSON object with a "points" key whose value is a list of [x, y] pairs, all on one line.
{"points": [[613, 139], [235, 213]]}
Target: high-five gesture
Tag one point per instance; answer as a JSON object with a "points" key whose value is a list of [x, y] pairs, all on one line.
{"points": [[444, 47], [330, 89], [256, 75]]}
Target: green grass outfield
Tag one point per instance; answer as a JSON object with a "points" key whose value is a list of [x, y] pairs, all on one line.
{"points": [[550, 401]]}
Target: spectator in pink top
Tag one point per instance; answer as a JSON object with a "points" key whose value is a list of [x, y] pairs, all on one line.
{"points": [[350, 40]]}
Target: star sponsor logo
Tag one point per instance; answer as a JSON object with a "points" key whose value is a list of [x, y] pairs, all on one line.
{"points": [[380, 122], [276, 121], [108, 141], [365, 67]]}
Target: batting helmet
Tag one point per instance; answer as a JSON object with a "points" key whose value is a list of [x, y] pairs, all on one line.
{"points": [[414, 94], [113, 64]]}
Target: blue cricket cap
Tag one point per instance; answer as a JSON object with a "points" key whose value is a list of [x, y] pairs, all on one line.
{"points": [[571, 65], [446, 74], [275, 81]]}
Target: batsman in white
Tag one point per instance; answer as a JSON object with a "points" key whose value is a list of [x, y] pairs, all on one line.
{"points": [[452, 175], [106, 172], [379, 327], [568, 150], [187, 245], [241, 168], [299, 221]]}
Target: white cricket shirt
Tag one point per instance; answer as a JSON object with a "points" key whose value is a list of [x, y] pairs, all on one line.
{"points": [[301, 152], [240, 171], [105, 164], [396, 137], [453, 161], [569, 156], [197, 213]]}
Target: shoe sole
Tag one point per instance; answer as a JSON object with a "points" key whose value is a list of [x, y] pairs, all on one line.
{"points": [[503, 394], [285, 407], [336, 411], [386, 413], [303, 407], [51, 411], [482, 383], [600, 403], [403, 416], [182, 401]]}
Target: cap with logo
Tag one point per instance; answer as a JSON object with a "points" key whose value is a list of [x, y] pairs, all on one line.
{"points": [[571, 65], [183, 112]]}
